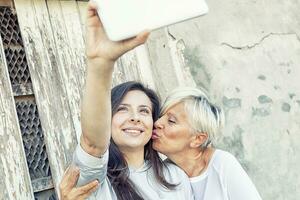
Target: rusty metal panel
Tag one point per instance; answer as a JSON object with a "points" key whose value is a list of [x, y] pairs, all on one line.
{"points": [[14, 52], [18, 71], [14, 176], [33, 139], [10, 32]]}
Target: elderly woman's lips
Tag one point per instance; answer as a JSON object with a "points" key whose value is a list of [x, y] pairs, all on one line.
{"points": [[154, 135]]}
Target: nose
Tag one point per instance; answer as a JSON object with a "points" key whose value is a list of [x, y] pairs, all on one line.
{"points": [[134, 117], [158, 124]]}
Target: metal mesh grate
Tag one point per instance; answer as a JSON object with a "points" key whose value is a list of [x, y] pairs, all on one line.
{"points": [[17, 66], [33, 139], [45, 195], [14, 52], [10, 31]]}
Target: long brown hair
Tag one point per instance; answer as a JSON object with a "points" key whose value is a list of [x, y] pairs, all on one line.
{"points": [[118, 171]]}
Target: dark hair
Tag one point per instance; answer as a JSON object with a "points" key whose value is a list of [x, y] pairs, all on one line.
{"points": [[118, 171]]}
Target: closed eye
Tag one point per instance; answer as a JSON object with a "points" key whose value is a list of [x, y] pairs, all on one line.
{"points": [[171, 121], [145, 110], [122, 108]]}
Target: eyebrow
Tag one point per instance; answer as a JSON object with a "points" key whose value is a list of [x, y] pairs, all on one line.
{"points": [[171, 114], [143, 106]]}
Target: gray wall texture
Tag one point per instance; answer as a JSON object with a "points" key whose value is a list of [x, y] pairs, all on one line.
{"points": [[247, 55]]}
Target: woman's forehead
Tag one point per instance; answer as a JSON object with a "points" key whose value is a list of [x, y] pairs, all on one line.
{"points": [[178, 110], [136, 97]]}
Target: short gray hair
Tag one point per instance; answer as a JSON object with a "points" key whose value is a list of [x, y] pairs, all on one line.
{"points": [[203, 115]]}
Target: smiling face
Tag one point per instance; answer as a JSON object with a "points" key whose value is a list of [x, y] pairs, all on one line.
{"points": [[172, 132], [132, 122]]}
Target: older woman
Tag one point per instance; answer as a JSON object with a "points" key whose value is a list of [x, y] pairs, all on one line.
{"points": [[185, 132]]}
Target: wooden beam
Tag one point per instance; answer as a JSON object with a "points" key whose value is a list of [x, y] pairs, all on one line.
{"points": [[70, 52], [8, 3]]}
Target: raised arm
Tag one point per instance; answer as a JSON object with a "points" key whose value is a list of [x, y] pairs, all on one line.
{"points": [[96, 104]]}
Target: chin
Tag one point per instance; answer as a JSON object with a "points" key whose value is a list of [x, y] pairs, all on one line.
{"points": [[155, 145], [136, 144]]}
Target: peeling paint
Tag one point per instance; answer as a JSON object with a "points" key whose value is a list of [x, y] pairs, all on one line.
{"points": [[198, 70], [285, 107], [292, 95], [261, 112], [262, 77], [276, 87], [232, 102], [234, 144], [264, 99], [181, 69]]}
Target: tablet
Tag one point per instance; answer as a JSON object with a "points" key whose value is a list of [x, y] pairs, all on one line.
{"points": [[124, 19]]}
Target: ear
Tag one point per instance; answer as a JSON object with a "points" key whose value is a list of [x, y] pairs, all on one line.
{"points": [[198, 139]]}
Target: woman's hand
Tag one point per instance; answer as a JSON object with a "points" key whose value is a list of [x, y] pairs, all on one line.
{"points": [[68, 189], [99, 46]]}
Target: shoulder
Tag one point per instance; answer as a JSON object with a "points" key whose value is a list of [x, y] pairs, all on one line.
{"points": [[223, 158], [226, 165]]}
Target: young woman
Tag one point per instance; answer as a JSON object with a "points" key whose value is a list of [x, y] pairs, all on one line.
{"points": [[115, 145], [188, 125]]}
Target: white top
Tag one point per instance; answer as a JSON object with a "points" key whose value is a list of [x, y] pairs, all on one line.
{"points": [[92, 168], [224, 179]]}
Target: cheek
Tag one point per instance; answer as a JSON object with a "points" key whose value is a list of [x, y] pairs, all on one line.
{"points": [[116, 123], [148, 121], [172, 133], [176, 137]]}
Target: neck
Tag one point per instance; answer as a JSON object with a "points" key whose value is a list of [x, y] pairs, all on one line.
{"points": [[193, 161], [134, 158]]}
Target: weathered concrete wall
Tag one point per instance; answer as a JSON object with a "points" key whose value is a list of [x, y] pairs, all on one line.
{"points": [[247, 55]]}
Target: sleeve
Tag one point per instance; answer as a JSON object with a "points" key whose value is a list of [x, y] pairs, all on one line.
{"points": [[239, 185], [91, 168]]}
